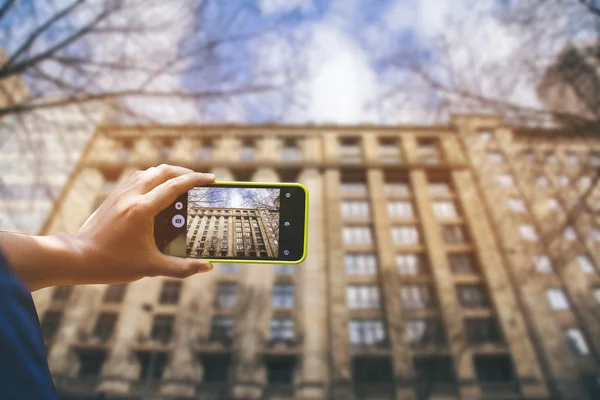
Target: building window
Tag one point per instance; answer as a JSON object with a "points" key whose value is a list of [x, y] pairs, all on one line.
{"points": [[569, 234], [362, 296], [360, 264], [62, 293], [528, 233], [595, 159], [453, 234], [152, 365], [372, 370], [411, 264], [472, 296], [215, 367], [285, 269], [444, 209], [400, 209], [282, 329], [170, 292], [496, 158], [162, 328], [290, 151], [230, 269], [557, 299], [283, 296], [350, 150], [90, 362], [417, 297], [494, 369], [462, 264], [366, 332], [115, 293], [221, 329], [280, 370], [564, 181], [105, 325], [205, 152], [248, 152], [586, 265], [354, 188], [356, 208], [542, 181], [551, 159], [516, 205], [425, 332], [576, 341], [226, 295], [429, 151], [482, 330], [585, 182], [505, 180], [357, 235], [389, 151], [438, 188], [431, 371], [543, 265], [396, 189], [405, 235], [50, 323]]}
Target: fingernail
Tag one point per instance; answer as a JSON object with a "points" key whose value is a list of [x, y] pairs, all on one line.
{"points": [[205, 267], [209, 176]]}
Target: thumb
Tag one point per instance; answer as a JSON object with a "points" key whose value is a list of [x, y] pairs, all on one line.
{"points": [[176, 267]]}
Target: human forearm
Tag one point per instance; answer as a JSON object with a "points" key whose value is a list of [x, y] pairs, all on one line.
{"points": [[41, 261]]}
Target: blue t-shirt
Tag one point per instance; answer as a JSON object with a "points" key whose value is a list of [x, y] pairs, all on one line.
{"points": [[24, 372]]}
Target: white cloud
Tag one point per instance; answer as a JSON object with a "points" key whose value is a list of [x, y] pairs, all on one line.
{"points": [[268, 7], [340, 83]]}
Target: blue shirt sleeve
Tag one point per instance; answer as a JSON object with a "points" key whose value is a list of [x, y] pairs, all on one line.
{"points": [[24, 372]]}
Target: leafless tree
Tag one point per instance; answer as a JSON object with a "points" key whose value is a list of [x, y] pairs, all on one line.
{"points": [[210, 197], [262, 199]]}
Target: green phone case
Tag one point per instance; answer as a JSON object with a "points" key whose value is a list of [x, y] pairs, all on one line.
{"points": [[304, 250]]}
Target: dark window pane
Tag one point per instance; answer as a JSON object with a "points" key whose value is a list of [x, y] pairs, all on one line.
{"points": [[462, 264], [152, 364], [280, 370], [216, 368], [494, 369], [62, 292], [115, 293], [105, 325], [162, 327], [425, 332], [482, 330], [170, 292], [90, 362], [50, 323], [472, 296], [372, 370], [221, 329]]}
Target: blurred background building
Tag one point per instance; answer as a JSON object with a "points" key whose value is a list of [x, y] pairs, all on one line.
{"points": [[455, 261]]}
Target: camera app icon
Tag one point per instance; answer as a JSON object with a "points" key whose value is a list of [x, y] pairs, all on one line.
{"points": [[178, 221]]}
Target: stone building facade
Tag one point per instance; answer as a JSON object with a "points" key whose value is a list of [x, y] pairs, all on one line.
{"points": [[232, 232], [454, 261]]}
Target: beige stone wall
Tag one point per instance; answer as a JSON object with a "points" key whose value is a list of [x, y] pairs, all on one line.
{"points": [[533, 333]]}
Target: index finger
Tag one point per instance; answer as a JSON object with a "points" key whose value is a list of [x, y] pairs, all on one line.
{"points": [[166, 193]]}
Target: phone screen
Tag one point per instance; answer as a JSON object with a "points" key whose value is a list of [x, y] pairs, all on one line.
{"points": [[235, 222]]}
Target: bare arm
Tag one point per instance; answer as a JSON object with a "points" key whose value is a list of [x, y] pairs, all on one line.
{"points": [[116, 244]]}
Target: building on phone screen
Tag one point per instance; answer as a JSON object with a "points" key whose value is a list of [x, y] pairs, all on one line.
{"points": [[455, 261]]}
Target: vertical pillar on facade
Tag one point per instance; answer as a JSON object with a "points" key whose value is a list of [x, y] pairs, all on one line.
{"points": [[144, 152], [331, 152], [444, 281], [227, 149], [370, 147], [401, 352], [507, 308], [81, 307], [252, 323], [409, 147], [313, 375], [121, 368], [183, 150], [339, 346], [183, 371], [269, 149]]}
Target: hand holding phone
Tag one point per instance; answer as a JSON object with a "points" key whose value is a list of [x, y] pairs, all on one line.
{"points": [[236, 222]]}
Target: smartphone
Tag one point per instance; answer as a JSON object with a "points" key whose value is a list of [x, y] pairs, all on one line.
{"points": [[242, 222]]}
